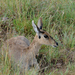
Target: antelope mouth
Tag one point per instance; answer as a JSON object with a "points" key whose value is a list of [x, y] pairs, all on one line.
{"points": [[55, 45]]}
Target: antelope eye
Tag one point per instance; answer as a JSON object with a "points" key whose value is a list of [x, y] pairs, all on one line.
{"points": [[46, 36]]}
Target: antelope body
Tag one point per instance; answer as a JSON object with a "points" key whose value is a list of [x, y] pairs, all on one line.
{"points": [[22, 52]]}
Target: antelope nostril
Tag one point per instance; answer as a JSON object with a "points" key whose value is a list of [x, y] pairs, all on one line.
{"points": [[56, 43]]}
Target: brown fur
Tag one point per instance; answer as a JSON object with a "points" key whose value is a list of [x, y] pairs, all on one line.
{"points": [[23, 53]]}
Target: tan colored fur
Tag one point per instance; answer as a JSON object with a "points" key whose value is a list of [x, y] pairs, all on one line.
{"points": [[23, 53]]}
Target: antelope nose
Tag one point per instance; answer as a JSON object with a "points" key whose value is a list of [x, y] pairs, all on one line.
{"points": [[56, 43]]}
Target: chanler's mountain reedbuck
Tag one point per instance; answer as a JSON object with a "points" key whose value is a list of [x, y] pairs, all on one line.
{"points": [[22, 53]]}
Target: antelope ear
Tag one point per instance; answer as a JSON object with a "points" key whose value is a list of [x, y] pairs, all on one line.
{"points": [[36, 29], [40, 24]]}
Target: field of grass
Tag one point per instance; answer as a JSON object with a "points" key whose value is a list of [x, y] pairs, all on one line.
{"points": [[58, 19]]}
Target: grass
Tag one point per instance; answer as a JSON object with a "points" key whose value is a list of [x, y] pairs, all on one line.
{"points": [[58, 19]]}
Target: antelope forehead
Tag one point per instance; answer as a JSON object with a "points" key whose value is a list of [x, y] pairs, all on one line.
{"points": [[42, 31]]}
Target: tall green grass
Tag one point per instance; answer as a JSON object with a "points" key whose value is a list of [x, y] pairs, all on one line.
{"points": [[58, 19]]}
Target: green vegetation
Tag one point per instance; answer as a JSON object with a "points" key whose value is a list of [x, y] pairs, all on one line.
{"points": [[58, 19]]}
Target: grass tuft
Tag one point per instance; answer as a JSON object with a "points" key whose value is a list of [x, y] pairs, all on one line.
{"points": [[58, 19]]}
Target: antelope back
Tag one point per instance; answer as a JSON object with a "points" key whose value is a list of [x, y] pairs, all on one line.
{"points": [[15, 45]]}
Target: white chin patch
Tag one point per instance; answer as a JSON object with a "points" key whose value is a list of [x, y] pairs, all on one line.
{"points": [[54, 46]]}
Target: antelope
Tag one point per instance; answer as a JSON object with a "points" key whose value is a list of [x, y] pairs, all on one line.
{"points": [[22, 52]]}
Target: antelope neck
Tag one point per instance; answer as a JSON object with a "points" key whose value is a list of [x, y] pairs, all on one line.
{"points": [[34, 46]]}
